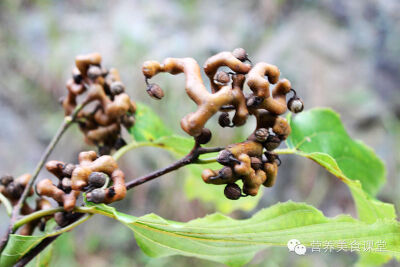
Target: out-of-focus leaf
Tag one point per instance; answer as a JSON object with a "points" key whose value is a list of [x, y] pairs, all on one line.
{"points": [[148, 126], [178, 145], [43, 259], [234, 242], [65, 251]]}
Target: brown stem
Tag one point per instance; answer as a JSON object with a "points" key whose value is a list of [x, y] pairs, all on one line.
{"points": [[190, 158]]}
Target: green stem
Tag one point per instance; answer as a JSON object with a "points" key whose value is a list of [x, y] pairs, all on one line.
{"points": [[35, 216], [117, 155], [205, 161], [71, 226], [93, 210], [42, 213], [6, 203], [285, 151]]}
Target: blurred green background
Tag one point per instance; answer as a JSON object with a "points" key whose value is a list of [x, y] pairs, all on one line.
{"points": [[337, 53]]}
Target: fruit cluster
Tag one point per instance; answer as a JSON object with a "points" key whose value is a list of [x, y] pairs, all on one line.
{"points": [[112, 107], [251, 161], [92, 175]]}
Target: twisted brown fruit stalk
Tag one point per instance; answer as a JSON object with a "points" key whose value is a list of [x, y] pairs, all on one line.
{"points": [[252, 160], [208, 103]]}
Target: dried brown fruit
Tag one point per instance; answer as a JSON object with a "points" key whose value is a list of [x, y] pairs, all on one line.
{"points": [[232, 191], [204, 137], [155, 91]]}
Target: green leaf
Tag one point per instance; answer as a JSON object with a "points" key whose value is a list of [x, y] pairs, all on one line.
{"points": [[178, 145], [17, 247], [148, 126], [319, 135], [320, 130], [234, 242], [369, 209]]}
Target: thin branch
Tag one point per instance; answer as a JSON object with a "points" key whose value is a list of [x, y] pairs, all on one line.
{"points": [[64, 126], [205, 150], [117, 155], [191, 158], [145, 178], [17, 208]]}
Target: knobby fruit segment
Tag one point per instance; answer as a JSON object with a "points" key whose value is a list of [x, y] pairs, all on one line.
{"points": [[107, 106], [89, 176]]}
